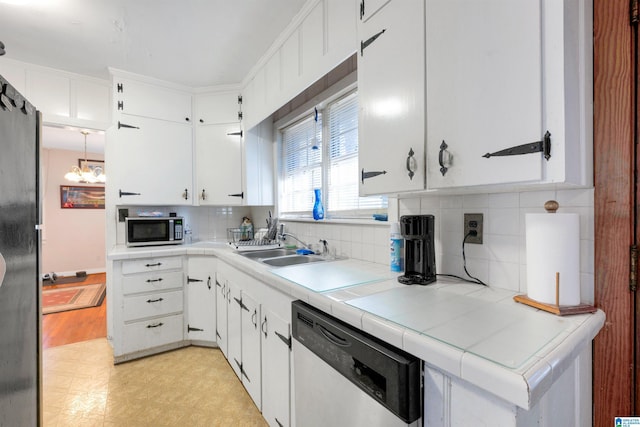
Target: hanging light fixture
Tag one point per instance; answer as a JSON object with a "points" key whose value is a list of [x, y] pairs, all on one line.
{"points": [[94, 175]]}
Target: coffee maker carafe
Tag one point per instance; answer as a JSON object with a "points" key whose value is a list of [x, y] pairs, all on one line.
{"points": [[419, 250]]}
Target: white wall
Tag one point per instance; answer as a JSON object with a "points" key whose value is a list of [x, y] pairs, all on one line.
{"points": [[72, 239]]}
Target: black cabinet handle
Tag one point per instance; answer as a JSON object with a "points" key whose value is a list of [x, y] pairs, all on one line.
{"points": [[155, 325], [366, 43], [154, 280], [543, 147], [127, 193], [187, 119], [124, 125], [367, 175], [444, 158], [154, 300], [201, 121], [254, 319], [412, 164], [185, 195], [209, 282], [203, 195], [263, 326], [241, 195], [157, 264]]}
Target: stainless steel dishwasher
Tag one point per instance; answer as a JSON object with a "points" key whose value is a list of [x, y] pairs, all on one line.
{"points": [[346, 377]]}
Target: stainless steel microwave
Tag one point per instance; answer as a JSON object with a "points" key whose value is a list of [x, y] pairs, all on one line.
{"points": [[153, 231]]}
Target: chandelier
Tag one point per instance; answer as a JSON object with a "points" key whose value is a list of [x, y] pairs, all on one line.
{"points": [[86, 174]]}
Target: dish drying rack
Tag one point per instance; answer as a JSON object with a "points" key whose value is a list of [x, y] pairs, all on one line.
{"points": [[243, 239]]}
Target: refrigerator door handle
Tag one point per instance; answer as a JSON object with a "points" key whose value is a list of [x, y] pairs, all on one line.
{"points": [[3, 268]]}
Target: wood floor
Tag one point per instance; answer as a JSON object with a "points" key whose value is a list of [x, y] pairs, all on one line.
{"points": [[76, 325]]}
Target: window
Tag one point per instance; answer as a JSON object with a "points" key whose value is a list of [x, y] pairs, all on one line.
{"points": [[320, 150]]}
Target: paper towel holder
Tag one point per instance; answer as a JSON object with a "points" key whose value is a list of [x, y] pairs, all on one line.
{"points": [[551, 206]]}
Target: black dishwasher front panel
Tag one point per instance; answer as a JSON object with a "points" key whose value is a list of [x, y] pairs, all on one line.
{"points": [[388, 374]]}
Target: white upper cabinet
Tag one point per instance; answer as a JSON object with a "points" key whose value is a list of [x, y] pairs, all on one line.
{"points": [[258, 165], [150, 100], [150, 162], [219, 164], [499, 76], [391, 98], [216, 108]]}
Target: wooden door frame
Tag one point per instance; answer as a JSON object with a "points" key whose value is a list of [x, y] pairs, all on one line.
{"points": [[613, 138]]}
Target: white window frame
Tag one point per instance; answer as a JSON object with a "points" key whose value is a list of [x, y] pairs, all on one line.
{"points": [[322, 107]]}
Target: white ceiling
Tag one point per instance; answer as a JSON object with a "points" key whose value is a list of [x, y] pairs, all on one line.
{"points": [[191, 42], [195, 43]]}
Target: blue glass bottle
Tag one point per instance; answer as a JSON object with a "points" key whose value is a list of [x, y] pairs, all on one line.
{"points": [[318, 209]]}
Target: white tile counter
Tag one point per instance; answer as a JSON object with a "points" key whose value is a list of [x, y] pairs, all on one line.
{"points": [[471, 332]]}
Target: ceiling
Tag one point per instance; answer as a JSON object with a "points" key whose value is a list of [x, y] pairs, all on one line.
{"points": [[196, 43]]}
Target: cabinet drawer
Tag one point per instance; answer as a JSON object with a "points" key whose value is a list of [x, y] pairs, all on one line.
{"points": [[158, 304], [152, 333], [151, 282], [151, 264]]}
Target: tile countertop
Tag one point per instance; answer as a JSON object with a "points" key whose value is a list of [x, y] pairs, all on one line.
{"points": [[469, 331]]}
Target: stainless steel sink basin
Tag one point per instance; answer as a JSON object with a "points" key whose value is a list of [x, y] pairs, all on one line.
{"points": [[283, 261], [269, 253]]}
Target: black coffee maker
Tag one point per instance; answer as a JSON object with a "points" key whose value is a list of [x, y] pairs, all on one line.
{"points": [[419, 250]]}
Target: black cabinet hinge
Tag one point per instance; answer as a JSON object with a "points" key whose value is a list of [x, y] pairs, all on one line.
{"points": [[633, 268], [192, 329], [284, 339], [366, 43], [361, 9], [190, 280], [127, 193], [239, 133], [124, 125], [543, 147]]}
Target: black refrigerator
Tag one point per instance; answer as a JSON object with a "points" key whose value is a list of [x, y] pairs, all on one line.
{"points": [[20, 319]]}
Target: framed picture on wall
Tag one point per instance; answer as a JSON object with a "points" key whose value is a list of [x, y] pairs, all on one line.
{"points": [[91, 164], [81, 197]]}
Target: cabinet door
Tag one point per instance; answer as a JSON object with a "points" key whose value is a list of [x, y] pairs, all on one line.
{"points": [[234, 328], [251, 375], [222, 304], [201, 299], [258, 168], [217, 108], [484, 90], [219, 165], [276, 368], [147, 100], [153, 160], [391, 97]]}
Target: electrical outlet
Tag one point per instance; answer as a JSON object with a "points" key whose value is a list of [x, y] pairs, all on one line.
{"points": [[473, 222]]}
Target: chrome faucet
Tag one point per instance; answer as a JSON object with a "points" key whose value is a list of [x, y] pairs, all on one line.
{"points": [[283, 236]]}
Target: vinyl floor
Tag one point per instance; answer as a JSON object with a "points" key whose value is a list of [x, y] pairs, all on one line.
{"points": [[192, 386]]}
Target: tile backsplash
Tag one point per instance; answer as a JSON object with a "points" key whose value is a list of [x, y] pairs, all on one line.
{"points": [[500, 261]]}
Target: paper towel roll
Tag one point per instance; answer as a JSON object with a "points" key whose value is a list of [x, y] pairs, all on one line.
{"points": [[553, 246]]}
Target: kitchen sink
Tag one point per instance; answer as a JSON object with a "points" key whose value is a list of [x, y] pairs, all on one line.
{"points": [[292, 260], [269, 253]]}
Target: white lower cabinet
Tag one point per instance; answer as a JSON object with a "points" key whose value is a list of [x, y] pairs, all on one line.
{"points": [[276, 369], [251, 355], [257, 341], [201, 300], [222, 308], [148, 306]]}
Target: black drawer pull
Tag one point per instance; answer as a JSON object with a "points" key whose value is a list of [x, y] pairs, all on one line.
{"points": [[157, 264], [154, 280], [155, 300], [155, 325]]}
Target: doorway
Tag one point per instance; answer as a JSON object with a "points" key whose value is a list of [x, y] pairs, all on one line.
{"points": [[73, 237]]}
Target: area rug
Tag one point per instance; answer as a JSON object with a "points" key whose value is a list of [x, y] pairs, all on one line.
{"points": [[72, 298]]}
